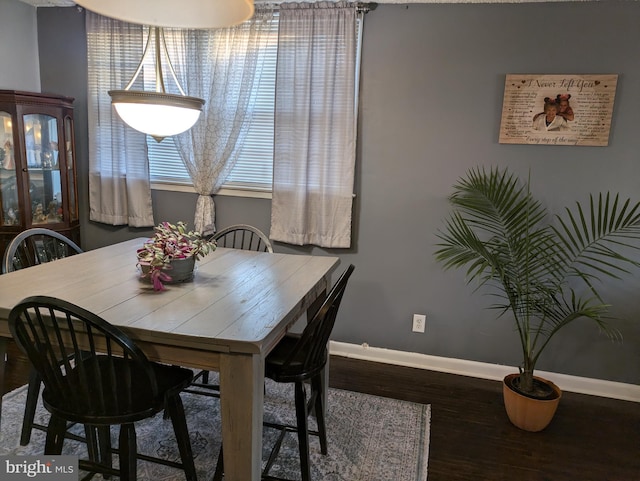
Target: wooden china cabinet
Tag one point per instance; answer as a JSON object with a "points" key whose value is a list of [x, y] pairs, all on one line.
{"points": [[38, 185]]}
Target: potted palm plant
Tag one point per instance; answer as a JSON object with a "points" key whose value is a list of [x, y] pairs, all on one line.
{"points": [[544, 273], [170, 255]]}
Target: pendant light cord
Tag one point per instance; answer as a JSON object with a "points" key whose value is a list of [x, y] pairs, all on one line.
{"points": [[160, 46]]}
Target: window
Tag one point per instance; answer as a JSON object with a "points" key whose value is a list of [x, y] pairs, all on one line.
{"points": [[254, 168]]}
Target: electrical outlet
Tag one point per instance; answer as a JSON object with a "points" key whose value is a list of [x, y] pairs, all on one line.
{"points": [[419, 320]]}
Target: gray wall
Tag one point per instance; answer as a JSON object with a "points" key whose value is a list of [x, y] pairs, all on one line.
{"points": [[431, 97], [19, 67]]}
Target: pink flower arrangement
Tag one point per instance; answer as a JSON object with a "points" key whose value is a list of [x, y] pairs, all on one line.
{"points": [[170, 242]]}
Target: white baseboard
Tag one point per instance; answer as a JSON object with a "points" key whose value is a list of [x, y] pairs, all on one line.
{"points": [[583, 385]]}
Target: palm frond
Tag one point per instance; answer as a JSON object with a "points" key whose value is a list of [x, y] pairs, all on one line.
{"points": [[590, 245]]}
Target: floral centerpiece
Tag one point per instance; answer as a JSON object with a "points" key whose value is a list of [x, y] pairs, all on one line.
{"points": [[170, 242]]}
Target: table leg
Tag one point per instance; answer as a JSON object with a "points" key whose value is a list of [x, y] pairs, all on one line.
{"points": [[241, 399]]}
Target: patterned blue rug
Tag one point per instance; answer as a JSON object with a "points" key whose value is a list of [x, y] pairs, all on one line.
{"points": [[370, 438]]}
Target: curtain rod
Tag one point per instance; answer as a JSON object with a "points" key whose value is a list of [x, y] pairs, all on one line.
{"points": [[366, 7], [363, 7]]}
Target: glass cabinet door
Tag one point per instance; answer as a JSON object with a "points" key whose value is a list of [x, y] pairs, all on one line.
{"points": [[43, 168], [38, 184], [8, 182], [71, 177]]}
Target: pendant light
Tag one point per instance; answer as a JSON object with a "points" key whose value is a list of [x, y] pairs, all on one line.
{"points": [[159, 114], [174, 13]]}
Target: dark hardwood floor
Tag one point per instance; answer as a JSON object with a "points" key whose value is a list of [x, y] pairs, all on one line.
{"points": [[590, 438], [17, 368]]}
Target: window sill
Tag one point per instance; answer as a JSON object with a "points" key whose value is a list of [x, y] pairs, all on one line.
{"points": [[230, 192]]}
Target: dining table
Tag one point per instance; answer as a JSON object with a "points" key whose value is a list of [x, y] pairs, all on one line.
{"points": [[228, 318]]}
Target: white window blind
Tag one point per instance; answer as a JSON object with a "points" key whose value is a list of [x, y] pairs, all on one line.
{"points": [[254, 168]]}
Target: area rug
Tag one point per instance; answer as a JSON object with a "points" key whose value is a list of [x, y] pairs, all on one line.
{"points": [[370, 438]]}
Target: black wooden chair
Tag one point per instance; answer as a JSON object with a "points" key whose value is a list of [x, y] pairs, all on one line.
{"points": [[242, 236], [95, 375], [29, 248], [37, 246], [239, 236], [300, 358]]}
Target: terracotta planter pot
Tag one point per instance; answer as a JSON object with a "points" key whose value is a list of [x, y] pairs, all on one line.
{"points": [[528, 413]]}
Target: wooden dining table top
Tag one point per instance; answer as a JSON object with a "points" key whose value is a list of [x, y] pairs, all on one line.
{"points": [[235, 302]]}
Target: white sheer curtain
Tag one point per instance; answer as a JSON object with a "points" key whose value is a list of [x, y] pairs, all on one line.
{"points": [[119, 187], [220, 66], [315, 126]]}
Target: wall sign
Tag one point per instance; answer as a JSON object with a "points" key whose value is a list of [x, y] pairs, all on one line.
{"points": [[557, 109]]}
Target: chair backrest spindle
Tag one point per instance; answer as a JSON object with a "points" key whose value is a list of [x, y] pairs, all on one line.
{"points": [[242, 236], [80, 357], [37, 246]]}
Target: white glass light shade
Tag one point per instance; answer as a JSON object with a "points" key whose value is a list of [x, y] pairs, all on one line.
{"points": [[157, 114], [174, 13]]}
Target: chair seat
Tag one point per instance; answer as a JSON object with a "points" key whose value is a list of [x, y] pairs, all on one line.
{"points": [[126, 404]]}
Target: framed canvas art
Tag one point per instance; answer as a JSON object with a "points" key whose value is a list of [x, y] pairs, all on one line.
{"points": [[557, 109]]}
